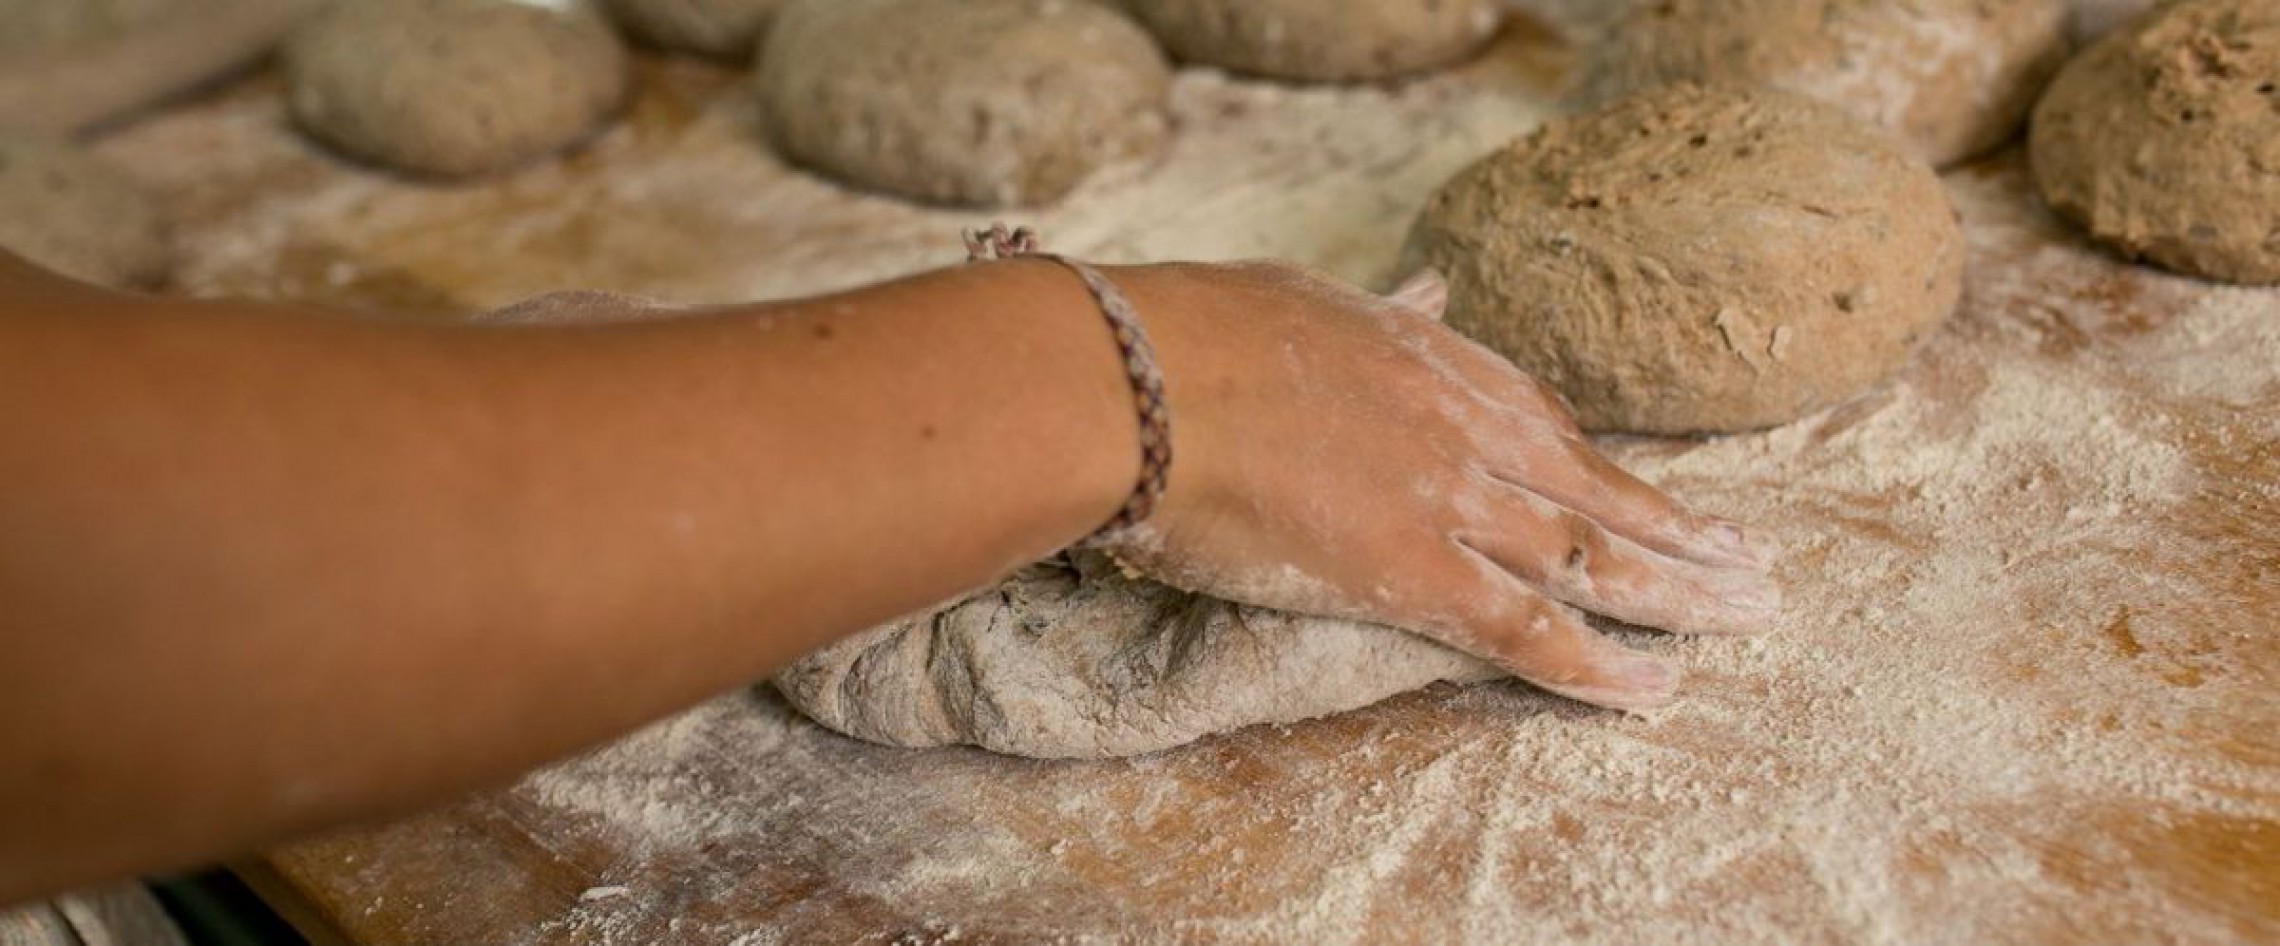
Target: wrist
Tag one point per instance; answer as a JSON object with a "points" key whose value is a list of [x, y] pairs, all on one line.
{"points": [[1176, 303]]}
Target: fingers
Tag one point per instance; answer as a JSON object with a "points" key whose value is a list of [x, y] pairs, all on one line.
{"points": [[1571, 473], [1424, 293], [1577, 561], [1544, 644]]}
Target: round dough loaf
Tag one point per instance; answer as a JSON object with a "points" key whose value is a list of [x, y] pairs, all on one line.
{"points": [[725, 29], [2096, 18], [988, 103], [30, 28], [66, 211], [2163, 140], [1952, 77], [453, 87], [1321, 40], [1691, 260]]}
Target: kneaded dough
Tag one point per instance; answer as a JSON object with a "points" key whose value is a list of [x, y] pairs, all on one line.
{"points": [[725, 29], [1952, 77], [1321, 40], [1692, 260], [2163, 140], [986, 103], [66, 211], [453, 87], [1069, 659]]}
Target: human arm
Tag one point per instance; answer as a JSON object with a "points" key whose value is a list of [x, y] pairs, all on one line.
{"points": [[270, 569]]}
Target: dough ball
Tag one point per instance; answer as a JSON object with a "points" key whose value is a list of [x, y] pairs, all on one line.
{"points": [[2163, 140], [66, 211], [1952, 77], [1070, 659], [2095, 18], [1321, 40], [30, 28], [988, 103], [726, 29], [1692, 260], [453, 87]]}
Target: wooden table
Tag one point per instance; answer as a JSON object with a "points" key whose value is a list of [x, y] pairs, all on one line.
{"points": [[2027, 696]]}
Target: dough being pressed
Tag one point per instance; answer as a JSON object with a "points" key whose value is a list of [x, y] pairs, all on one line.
{"points": [[1952, 77], [987, 103], [1692, 260], [1071, 659], [64, 210], [2163, 140], [453, 87], [724, 29], [1321, 40]]}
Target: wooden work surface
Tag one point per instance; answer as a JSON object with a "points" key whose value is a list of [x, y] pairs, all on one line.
{"points": [[2028, 695]]}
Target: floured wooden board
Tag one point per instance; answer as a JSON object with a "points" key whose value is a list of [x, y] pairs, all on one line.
{"points": [[2026, 693]]}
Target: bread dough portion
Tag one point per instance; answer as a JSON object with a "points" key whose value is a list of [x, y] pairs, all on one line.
{"points": [[725, 29], [453, 87], [31, 28], [989, 103], [1952, 77], [1069, 659], [62, 209], [1692, 260], [1321, 40], [2096, 18], [2163, 140]]}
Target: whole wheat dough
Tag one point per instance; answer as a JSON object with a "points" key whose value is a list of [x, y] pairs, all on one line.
{"points": [[2163, 140], [725, 29], [1952, 77], [2096, 18], [66, 211], [453, 87], [1693, 260], [1071, 659], [32, 28], [1321, 40], [990, 103]]}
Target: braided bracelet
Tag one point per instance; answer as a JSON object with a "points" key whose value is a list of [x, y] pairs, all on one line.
{"points": [[999, 242]]}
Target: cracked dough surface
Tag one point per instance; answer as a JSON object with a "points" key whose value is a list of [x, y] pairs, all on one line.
{"points": [[1693, 260], [1071, 659], [2163, 140], [1951, 77]]}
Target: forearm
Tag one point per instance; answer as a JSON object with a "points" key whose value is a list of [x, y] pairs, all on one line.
{"points": [[266, 572]]}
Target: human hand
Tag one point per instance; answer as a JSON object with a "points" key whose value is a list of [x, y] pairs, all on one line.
{"points": [[1341, 453]]}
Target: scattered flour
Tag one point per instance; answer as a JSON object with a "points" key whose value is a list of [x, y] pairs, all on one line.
{"points": [[2025, 693], [1994, 687]]}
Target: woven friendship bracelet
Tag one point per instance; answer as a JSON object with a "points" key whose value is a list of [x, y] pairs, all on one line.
{"points": [[999, 242]]}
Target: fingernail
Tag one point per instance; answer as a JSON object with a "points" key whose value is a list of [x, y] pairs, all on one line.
{"points": [[1760, 597], [1647, 673], [1747, 544]]}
